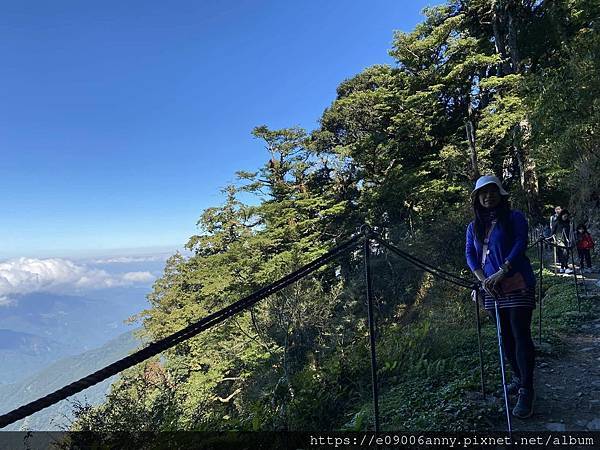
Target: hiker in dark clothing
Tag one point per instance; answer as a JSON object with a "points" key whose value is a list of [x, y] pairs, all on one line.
{"points": [[495, 253], [585, 244], [548, 230], [562, 231], [555, 216]]}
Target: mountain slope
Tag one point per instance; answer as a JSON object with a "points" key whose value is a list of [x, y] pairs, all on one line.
{"points": [[38, 329], [59, 374]]}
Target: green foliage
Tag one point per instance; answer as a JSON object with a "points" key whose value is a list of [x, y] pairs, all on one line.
{"points": [[430, 368], [564, 97], [392, 150]]}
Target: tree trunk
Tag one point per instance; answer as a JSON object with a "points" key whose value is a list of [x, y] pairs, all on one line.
{"points": [[498, 20], [527, 170], [473, 150], [513, 48], [505, 24]]}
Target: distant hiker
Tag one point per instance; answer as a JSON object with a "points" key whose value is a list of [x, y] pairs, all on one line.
{"points": [[495, 252], [555, 216], [548, 230], [585, 244], [562, 231]]}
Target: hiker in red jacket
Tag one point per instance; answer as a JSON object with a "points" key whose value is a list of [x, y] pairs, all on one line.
{"points": [[585, 244]]}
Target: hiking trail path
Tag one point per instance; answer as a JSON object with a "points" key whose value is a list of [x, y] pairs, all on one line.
{"points": [[567, 386]]}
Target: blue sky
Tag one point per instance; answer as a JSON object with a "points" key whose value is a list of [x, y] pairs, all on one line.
{"points": [[121, 121]]}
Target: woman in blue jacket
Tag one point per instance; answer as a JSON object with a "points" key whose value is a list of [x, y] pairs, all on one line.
{"points": [[495, 252]]}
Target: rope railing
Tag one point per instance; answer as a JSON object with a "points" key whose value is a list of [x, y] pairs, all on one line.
{"points": [[570, 255], [535, 233], [153, 349], [440, 273], [451, 278], [536, 242], [157, 347]]}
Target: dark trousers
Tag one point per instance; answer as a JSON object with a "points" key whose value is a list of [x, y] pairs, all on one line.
{"points": [[584, 256], [562, 253], [515, 325]]}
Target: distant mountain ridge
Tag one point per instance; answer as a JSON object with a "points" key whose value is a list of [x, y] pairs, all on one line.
{"points": [[40, 328], [27, 343], [57, 375], [22, 354]]}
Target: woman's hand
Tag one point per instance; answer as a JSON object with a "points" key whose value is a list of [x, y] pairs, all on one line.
{"points": [[492, 283], [481, 277]]}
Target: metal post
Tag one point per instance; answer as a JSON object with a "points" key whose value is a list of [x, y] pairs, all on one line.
{"points": [[554, 252], [585, 287], [501, 354], [477, 294], [367, 257], [540, 294], [569, 249]]}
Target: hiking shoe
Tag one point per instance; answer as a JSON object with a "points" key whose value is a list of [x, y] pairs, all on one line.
{"points": [[524, 407], [568, 270], [512, 388], [561, 271]]}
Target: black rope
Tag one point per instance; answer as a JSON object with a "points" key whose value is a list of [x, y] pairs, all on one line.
{"points": [[173, 339], [537, 241], [440, 273], [215, 318], [419, 261], [553, 244]]}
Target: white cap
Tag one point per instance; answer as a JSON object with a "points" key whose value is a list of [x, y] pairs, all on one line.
{"points": [[488, 179]]}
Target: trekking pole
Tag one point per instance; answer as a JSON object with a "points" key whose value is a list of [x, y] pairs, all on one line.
{"points": [[570, 250], [501, 353], [477, 294], [540, 295]]}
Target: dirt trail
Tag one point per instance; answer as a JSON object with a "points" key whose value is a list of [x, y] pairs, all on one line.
{"points": [[568, 387]]}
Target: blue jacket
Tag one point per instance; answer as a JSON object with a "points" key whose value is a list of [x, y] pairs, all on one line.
{"points": [[502, 248]]}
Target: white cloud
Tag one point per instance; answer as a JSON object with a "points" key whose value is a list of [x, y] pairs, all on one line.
{"points": [[26, 275], [138, 277], [131, 259]]}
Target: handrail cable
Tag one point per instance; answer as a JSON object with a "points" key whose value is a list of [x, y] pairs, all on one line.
{"points": [[217, 317], [163, 344], [536, 242], [444, 275]]}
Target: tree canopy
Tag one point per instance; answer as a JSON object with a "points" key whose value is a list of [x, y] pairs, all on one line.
{"points": [[480, 86]]}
